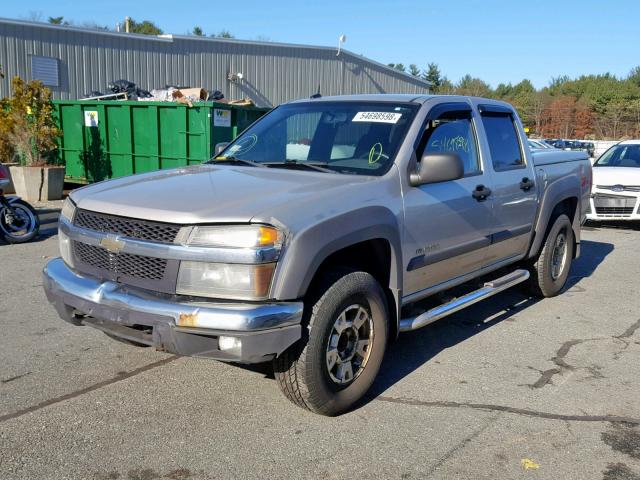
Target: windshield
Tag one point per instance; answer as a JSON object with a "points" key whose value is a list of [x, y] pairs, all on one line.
{"points": [[345, 137], [620, 156]]}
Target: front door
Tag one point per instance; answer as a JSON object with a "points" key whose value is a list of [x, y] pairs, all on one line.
{"points": [[447, 227]]}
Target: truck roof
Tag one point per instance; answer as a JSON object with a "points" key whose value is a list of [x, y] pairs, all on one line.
{"points": [[377, 97], [401, 98]]}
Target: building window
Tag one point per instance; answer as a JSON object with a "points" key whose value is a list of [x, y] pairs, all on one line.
{"points": [[46, 70]]}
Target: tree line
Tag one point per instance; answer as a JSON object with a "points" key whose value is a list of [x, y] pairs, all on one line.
{"points": [[595, 107], [143, 27]]}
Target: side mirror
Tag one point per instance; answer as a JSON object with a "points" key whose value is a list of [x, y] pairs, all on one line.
{"points": [[437, 167], [220, 147]]}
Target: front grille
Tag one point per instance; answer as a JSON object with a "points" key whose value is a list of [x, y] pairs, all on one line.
{"points": [[121, 264], [614, 210], [620, 188], [614, 204], [127, 227], [151, 273]]}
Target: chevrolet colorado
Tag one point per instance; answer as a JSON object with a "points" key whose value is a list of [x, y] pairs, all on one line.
{"points": [[310, 239]]}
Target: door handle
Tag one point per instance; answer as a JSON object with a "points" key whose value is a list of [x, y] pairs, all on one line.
{"points": [[526, 184], [481, 193]]}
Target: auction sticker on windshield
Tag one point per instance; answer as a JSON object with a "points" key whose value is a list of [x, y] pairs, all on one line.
{"points": [[379, 117]]}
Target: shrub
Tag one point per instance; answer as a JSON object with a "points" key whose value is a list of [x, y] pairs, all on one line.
{"points": [[7, 152], [27, 125]]}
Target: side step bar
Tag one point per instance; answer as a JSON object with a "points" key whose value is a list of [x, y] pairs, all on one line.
{"points": [[488, 290]]}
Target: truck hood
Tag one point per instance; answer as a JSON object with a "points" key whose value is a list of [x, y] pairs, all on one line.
{"points": [[616, 176], [209, 193]]}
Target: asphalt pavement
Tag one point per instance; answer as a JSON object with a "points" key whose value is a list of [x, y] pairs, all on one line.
{"points": [[511, 388]]}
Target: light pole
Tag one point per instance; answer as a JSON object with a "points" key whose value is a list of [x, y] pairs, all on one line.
{"points": [[341, 40]]}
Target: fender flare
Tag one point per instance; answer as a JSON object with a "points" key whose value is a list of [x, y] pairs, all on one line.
{"points": [[555, 193], [310, 247]]}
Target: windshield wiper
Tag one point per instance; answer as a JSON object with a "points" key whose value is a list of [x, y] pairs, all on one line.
{"points": [[232, 159], [319, 166]]}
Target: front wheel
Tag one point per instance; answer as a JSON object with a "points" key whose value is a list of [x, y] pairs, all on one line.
{"points": [[19, 223], [550, 270], [333, 367]]}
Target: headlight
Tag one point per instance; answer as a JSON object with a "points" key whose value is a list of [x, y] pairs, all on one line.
{"points": [[238, 281], [236, 236], [64, 243], [68, 209], [222, 280]]}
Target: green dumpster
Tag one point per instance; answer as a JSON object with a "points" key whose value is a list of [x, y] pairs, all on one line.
{"points": [[110, 139]]}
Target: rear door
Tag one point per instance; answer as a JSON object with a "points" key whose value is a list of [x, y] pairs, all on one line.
{"points": [[447, 225], [514, 191]]}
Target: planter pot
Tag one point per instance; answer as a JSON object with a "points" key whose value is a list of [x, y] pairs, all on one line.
{"points": [[10, 188], [38, 184]]}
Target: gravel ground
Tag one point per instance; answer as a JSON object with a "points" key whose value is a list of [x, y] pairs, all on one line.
{"points": [[508, 389]]}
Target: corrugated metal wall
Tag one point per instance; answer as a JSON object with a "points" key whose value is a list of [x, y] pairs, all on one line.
{"points": [[273, 73]]}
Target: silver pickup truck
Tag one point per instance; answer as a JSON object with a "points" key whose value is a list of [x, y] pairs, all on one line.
{"points": [[314, 237]]}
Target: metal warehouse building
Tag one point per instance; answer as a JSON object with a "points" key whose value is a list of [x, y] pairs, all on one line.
{"points": [[75, 61]]}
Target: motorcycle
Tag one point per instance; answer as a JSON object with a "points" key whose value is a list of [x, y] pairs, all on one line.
{"points": [[19, 221]]}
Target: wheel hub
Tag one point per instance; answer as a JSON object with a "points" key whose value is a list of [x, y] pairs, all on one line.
{"points": [[559, 256], [349, 344]]}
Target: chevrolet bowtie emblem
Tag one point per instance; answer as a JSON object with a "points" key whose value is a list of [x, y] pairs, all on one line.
{"points": [[112, 244]]}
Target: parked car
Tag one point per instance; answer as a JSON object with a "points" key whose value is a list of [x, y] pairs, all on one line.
{"points": [[542, 143], [588, 147], [572, 145], [539, 144], [616, 183], [307, 239], [558, 143]]}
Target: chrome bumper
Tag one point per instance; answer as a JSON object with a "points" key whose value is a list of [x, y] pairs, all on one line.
{"points": [[169, 323]]}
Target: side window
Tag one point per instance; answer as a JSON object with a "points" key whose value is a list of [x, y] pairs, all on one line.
{"points": [[452, 132], [504, 144]]}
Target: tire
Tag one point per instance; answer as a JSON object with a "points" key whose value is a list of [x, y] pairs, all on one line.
{"points": [[550, 270], [314, 373], [27, 212]]}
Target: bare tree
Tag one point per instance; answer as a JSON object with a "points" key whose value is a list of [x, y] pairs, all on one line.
{"points": [[539, 103], [35, 16]]}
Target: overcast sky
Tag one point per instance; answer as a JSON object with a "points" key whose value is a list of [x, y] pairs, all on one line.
{"points": [[496, 40]]}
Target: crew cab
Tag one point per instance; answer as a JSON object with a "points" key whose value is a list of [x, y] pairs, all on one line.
{"points": [[313, 238]]}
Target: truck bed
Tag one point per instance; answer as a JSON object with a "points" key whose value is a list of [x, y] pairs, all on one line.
{"points": [[549, 157]]}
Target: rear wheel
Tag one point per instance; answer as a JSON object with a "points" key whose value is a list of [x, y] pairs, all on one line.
{"points": [[333, 367], [550, 270]]}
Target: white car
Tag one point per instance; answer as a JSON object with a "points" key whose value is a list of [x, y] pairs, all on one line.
{"points": [[616, 183]]}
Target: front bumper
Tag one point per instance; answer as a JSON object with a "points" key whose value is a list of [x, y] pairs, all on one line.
{"points": [[171, 323]]}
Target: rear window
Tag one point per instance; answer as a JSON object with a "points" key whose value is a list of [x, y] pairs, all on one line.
{"points": [[503, 141]]}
